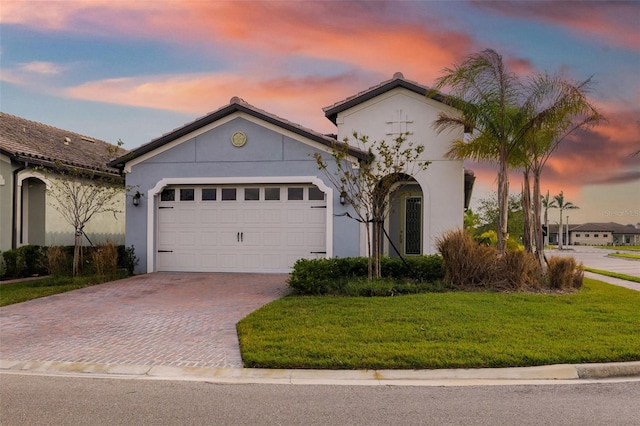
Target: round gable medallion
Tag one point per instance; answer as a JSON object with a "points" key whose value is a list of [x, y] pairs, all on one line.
{"points": [[239, 139]]}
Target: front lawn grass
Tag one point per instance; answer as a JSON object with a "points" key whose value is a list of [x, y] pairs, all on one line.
{"points": [[27, 290], [444, 330], [630, 248]]}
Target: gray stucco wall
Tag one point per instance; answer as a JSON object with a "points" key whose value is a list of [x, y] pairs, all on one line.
{"points": [[267, 153]]}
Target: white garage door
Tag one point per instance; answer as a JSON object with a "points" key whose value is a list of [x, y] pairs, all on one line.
{"points": [[226, 228]]}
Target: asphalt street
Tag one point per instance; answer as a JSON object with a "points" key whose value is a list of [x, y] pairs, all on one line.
{"points": [[38, 400]]}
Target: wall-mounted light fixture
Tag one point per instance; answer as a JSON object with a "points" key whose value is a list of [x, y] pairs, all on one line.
{"points": [[343, 198], [136, 198]]}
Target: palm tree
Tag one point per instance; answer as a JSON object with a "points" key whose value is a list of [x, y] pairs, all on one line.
{"points": [[547, 204], [487, 98], [563, 205], [557, 108]]}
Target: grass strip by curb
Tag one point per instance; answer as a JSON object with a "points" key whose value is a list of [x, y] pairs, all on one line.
{"points": [[612, 274], [625, 255]]}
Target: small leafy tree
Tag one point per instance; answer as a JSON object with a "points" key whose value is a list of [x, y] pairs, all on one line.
{"points": [[80, 195], [367, 185]]}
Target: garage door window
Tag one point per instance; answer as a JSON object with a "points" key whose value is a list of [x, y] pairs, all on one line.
{"points": [[295, 194], [252, 194], [315, 194], [187, 194], [228, 194], [272, 194], [168, 195], [208, 194]]}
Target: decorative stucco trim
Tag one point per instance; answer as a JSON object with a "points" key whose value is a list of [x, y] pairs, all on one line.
{"points": [[163, 183]]}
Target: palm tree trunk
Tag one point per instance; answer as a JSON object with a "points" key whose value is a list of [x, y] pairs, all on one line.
{"points": [[503, 199], [560, 231], [526, 213], [538, 238]]}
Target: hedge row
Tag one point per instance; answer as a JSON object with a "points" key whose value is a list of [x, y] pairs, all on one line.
{"points": [[332, 276], [30, 261]]}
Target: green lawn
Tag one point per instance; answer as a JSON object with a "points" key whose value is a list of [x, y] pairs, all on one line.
{"points": [[445, 330], [27, 290]]}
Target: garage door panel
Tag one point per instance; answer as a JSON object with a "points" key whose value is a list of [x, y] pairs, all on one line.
{"points": [[238, 235]]}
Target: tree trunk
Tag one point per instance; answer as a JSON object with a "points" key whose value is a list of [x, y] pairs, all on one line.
{"points": [[538, 238], [526, 213], [369, 252], [76, 252], [503, 200], [560, 236]]}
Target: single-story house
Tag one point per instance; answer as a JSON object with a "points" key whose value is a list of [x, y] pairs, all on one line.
{"points": [[30, 152], [238, 190], [597, 234]]}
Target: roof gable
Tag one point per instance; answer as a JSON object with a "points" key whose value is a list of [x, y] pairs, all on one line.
{"points": [[36, 143], [398, 80], [235, 105]]}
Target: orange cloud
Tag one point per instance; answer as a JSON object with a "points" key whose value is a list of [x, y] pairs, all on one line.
{"points": [[349, 33], [298, 100]]}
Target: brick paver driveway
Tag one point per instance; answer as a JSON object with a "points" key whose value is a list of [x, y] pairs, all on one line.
{"points": [[177, 319]]}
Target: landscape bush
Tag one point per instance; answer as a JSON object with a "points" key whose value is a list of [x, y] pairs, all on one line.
{"points": [[348, 276], [58, 260], [105, 259], [30, 261], [25, 261], [564, 274], [467, 264], [472, 266]]}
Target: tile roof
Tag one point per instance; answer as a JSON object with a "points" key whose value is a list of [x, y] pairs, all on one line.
{"points": [[37, 143], [614, 228], [236, 104], [398, 80]]}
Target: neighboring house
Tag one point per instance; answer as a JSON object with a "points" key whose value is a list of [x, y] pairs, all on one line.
{"points": [[29, 152], [605, 234], [597, 234], [239, 189]]}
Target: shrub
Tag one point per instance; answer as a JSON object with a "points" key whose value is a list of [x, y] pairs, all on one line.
{"points": [[3, 265], [128, 259], [105, 259], [518, 270], [466, 263], [25, 261], [58, 261], [348, 276], [564, 274]]}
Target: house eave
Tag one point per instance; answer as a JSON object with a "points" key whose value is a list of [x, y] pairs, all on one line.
{"points": [[233, 107], [331, 112]]}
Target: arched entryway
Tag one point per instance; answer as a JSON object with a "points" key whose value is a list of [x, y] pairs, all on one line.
{"points": [[405, 223], [32, 230]]}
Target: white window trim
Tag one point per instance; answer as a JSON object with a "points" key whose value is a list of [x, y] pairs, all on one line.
{"points": [[163, 183]]}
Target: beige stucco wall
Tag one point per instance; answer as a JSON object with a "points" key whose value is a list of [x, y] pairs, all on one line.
{"points": [[591, 238], [101, 227]]}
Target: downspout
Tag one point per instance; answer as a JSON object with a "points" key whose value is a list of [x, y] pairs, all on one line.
{"points": [[14, 224]]}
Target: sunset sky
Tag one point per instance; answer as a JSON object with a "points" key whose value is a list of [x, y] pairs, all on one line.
{"points": [[135, 69]]}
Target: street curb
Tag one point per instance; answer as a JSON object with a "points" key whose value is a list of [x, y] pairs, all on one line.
{"points": [[560, 372]]}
